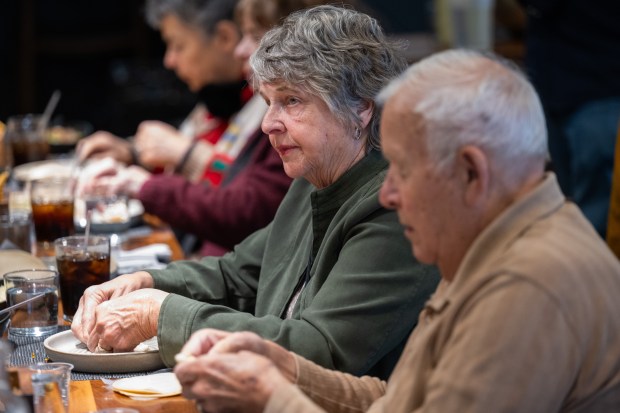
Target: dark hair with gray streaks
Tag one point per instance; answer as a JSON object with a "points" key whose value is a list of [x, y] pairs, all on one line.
{"points": [[336, 53], [203, 14]]}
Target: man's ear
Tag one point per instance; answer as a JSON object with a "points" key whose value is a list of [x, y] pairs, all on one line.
{"points": [[473, 166], [226, 35]]}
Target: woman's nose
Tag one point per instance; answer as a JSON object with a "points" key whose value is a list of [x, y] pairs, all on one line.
{"points": [[271, 123], [244, 50], [169, 60]]}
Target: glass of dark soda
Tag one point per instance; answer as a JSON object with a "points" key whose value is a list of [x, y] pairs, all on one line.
{"points": [[81, 263]]}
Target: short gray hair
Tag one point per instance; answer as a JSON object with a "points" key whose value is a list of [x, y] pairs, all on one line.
{"points": [[336, 53], [467, 97], [203, 14]]}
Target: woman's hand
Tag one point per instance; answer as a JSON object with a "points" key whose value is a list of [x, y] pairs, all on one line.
{"points": [[103, 144], [120, 324], [159, 144], [85, 318], [123, 181]]}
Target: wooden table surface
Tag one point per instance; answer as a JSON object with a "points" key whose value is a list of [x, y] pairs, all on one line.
{"points": [[91, 395]]}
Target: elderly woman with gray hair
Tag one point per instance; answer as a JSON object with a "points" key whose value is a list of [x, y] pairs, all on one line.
{"points": [[332, 277], [200, 38]]}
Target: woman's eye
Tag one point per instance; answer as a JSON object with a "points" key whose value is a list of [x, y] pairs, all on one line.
{"points": [[292, 101]]}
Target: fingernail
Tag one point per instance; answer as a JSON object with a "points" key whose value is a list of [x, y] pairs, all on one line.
{"points": [[181, 357]]}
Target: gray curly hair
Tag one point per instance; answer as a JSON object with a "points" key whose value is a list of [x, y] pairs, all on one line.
{"points": [[203, 14], [336, 53]]}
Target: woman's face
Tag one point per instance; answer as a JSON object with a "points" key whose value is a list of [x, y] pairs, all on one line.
{"points": [[190, 53], [311, 141], [251, 33]]}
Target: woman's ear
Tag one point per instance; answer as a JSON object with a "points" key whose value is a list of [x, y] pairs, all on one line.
{"points": [[474, 173], [365, 113], [227, 35]]}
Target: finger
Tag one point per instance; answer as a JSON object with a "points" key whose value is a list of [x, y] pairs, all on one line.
{"points": [[187, 373], [86, 148], [93, 144], [202, 341], [103, 348], [89, 302], [240, 341], [76, 323]]}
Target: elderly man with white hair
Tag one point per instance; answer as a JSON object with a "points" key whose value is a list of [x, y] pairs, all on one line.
{"points": [[527, 315]]}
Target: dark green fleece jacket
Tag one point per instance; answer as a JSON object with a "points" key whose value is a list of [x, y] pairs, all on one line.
{"points": [[363, 293]]}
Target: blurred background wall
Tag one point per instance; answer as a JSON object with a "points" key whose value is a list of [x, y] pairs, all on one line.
{"points": [[107, 62]]}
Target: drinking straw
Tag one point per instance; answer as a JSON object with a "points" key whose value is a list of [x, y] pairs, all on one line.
{"points": [[89, 213], [49, 109]]}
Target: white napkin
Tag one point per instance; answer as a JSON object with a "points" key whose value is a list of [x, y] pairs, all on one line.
{"points": [[148, 387], [152, 256]]}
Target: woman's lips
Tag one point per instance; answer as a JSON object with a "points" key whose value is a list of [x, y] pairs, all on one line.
{"points": [[283, 150]]}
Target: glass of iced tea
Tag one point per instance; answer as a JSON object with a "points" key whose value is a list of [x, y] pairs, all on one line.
{"points": [[81, 263], [26, 135], [52, 208]]}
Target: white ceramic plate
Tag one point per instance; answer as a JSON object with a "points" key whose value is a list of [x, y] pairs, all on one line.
{"points": [[66, 348], [134, 208], [43, 169]]}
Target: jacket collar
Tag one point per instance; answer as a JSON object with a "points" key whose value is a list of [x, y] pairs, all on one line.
{"points": [[327, 201]]}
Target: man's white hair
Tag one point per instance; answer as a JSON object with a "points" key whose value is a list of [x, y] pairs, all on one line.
{"points": [[467, 97]]}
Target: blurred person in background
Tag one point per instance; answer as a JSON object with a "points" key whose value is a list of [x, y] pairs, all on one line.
{"points": [[573, 60], [200, 38], [331, 277], [242, 180]]}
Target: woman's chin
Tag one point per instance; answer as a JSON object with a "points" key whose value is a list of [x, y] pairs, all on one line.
{"points": [[292, 171]]}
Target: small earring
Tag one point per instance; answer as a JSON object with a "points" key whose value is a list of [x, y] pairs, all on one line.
{"points": [[358, 134]]}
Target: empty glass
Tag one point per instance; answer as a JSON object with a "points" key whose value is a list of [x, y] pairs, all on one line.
{"points": [[50, 386], [16, 231]]}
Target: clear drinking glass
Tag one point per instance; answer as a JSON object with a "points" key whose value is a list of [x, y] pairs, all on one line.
{"points": [[37, 293], [50, 386]]}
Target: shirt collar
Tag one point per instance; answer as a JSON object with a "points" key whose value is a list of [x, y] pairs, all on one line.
{"points": [[542, 201]]}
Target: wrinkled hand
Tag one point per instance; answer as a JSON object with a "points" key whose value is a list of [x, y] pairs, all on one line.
{"points": [[124, 322], [90, 174], [159, 144], [123, 181], [103, 144], [202, 341], [239, 382], [85, 318], [210, 341], [108, 177]]}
